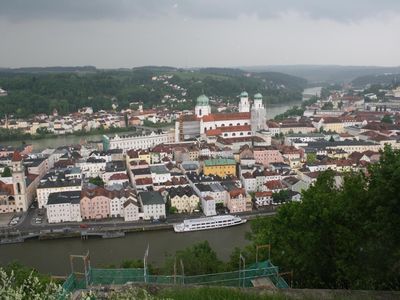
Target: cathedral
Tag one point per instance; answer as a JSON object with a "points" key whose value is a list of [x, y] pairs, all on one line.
{"points": [[245, 123]]}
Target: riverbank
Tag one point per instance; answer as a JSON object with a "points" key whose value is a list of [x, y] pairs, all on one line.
{"points": [[104, 229]]}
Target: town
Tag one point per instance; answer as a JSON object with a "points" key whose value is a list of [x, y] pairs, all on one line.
{"points": [[207, 164]]}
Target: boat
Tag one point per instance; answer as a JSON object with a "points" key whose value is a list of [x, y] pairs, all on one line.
{"points": [[208, 223]]}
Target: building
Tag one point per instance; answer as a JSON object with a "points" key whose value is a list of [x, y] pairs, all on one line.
{"points": [[143, 140], [258, 115], [153, 205], [56, 181], [184, 199], [95, 203], [238, 201], [131, 211], [244, 105], [263, 198], [219, 166], [64, 207], [206, 124], [17, 192], [208, 206]]}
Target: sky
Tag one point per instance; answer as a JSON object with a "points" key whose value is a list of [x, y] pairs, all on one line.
{"points": [[198, 33]]}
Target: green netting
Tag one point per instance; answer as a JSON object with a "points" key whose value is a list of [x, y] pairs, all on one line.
{"points": [[238, 278]]}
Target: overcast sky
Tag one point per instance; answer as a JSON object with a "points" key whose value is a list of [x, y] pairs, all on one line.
{"points": [[128, 33]]}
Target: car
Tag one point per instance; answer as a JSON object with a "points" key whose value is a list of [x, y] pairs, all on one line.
{"points": [[38, 219], [84, 226], [38, 222]]}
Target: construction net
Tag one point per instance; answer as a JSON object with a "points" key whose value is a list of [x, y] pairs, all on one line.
{"points": [[239, 278]]}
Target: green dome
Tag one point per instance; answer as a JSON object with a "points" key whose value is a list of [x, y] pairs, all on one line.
{"points": [[244, 94], [202, 100], [258, 96]]}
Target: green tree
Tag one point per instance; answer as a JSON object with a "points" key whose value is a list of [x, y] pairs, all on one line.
{"points": [[387, 119], [97, 181], [172, 210], [341, 236], [327, 106], [197, 259], [6, 172]]}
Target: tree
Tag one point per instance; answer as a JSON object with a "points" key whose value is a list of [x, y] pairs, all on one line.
{"points": [[281, 197], [331, 139], [387, 119], [6, 172], [173, 210], [197, 259], [327, 106], [311, 157], [96, 181], [340, 236], [19, 282]]}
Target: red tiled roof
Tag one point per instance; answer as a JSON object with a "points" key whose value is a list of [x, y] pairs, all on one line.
{"points": [[118, 176], [227, 117], [16, 156]]}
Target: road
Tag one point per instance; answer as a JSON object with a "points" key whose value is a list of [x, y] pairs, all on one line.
{"points": [[27, 223]]}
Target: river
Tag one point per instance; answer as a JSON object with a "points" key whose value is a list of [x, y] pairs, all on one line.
{"points": [[52, 256]]}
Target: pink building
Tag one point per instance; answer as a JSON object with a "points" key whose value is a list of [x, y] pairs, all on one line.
{"points": [[267, 155], [95, 203], [238, 201]]}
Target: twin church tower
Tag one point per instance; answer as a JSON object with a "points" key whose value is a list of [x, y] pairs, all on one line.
{"points": [[254, 115]]}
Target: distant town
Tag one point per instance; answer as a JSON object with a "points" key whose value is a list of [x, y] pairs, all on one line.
{"points": [[211, 160]]}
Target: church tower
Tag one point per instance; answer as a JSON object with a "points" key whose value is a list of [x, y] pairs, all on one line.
{"points": [[202, 107], [258, 114], [19, 183], [244, 105]]}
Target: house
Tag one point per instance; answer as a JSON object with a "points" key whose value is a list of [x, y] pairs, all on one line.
{"points": [[208, 206], [64, 207], [238, 201], [153, 205], [294, 184], [219, 166], [95, 203], [263, 198], [184, 199], [131, 210]]}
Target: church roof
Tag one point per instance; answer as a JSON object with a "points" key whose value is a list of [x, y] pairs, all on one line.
{"points": [[244, 94], [202, 100], [227, 117], [258, 96]]}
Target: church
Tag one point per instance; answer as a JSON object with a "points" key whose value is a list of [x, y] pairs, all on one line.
{"points": [[242, 124]]}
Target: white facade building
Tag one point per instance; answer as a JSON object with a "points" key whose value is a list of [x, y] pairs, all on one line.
{"points": [[64, 207]]}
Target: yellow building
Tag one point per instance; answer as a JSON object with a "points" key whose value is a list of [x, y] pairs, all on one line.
{"points": [[220, 166]]}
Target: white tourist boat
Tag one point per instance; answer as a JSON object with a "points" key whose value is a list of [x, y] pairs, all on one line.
{"points": [[208, 223]]}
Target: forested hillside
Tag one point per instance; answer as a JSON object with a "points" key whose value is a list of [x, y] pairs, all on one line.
{"points": [[33, 91]]}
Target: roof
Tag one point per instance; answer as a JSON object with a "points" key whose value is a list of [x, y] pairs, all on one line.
{"points": [[72, 197], [202, 100], [151, 198], [227, 117], [219, 162], [16, 156]]}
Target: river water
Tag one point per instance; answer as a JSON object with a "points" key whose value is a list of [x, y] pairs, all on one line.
{"points": [[52, 256]]}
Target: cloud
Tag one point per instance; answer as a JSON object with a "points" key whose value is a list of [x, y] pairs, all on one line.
{"points": [[338, 10]]}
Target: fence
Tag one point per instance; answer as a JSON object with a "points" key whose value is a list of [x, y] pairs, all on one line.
{"points": [[242, 278]]}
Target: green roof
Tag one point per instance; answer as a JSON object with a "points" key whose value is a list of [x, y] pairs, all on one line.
{"points": [[244, 94], [202, 100], [219, 162], [258, 96]]}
